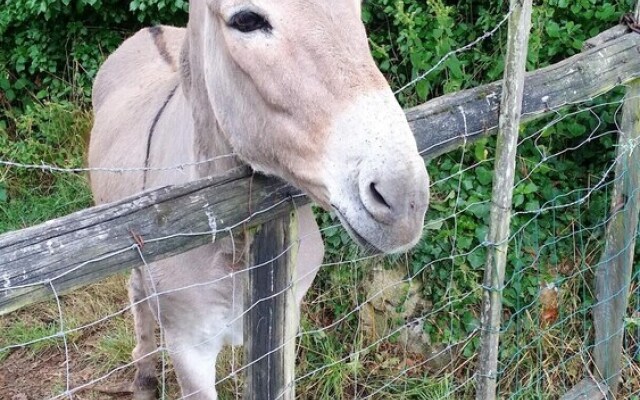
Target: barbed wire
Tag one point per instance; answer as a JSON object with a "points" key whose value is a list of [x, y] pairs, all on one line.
{"points": [[54, 168]]}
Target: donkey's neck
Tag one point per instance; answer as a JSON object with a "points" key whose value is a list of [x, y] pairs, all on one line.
{"points": [[209, 140]]}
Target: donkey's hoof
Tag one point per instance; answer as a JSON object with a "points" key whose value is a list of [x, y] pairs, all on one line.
{"points": [[145, 387], [144, 395]]}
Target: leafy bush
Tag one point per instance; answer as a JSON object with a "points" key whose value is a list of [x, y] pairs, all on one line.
{"points": [[51, 49], [409, 37]]}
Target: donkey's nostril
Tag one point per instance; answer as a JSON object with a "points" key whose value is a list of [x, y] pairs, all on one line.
{"points": [[377, 196]]}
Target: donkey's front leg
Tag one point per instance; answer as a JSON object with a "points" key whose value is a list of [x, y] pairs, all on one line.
{"points": [[145, 355], [194, 360]]}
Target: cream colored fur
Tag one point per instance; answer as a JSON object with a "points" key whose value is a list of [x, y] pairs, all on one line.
{"points": [[303, 101]]}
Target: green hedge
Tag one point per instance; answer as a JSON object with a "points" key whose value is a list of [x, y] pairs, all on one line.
{"points": [[51, 49]]}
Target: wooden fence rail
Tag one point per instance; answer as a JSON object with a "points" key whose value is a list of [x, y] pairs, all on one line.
{"points": [[95, 243]]}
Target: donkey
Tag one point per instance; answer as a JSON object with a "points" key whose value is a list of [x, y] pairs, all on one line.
{"points": [[288, 87]]}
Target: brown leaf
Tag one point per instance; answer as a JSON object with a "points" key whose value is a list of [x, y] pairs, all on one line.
{"points": [[549, 316], [549, 303]]}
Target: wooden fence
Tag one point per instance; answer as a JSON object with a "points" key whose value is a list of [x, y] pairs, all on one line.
{"points": [[502, 194], [90, 245]]}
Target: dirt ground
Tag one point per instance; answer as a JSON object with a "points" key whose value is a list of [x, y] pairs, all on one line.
{"points": [[39, 371], [100, 350], [27, 377]]}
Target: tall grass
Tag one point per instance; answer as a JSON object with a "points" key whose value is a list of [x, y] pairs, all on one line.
{"points": [[44, 133]]}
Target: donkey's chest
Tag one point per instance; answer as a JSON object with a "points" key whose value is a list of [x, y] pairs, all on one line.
{"points": [[170, 155]]}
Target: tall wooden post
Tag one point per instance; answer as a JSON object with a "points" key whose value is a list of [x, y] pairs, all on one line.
{"points": [[271, 322], [502, 195], [613, 276]]}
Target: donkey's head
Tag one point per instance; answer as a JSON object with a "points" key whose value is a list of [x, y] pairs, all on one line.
{"points": [[295, 90]]}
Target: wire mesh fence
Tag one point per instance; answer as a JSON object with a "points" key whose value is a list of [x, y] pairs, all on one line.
{"points": [[554, 248], [404, 326]]}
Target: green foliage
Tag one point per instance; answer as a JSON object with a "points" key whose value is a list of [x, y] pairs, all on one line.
{"points": [[409, 37], [114, 348], [557, 231], [51, 49]]}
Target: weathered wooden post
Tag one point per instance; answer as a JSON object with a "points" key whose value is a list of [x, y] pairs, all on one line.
{"points": [[270, 324], [502, 195], [613, 276]]}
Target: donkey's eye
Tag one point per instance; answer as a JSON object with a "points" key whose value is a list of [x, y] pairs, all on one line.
{"points": [[248, 21]]}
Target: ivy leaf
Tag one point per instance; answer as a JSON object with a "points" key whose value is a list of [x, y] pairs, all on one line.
{"points": [[484, 176], [422, 89], [530, 188], [533, 205], [10, 95], [518, 200], [553, 29], [5, 84], [20, 84], [477, 258], [454, 65]]}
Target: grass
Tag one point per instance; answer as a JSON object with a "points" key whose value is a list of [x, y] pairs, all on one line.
{"points": [[27, 208], [37, 333], [52, 134], [113, 348], [347, 360]]}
